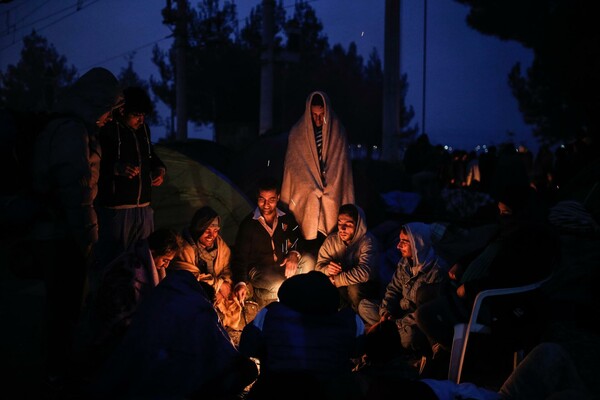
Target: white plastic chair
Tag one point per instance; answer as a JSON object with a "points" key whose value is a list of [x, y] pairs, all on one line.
{"points": [[462, 331]]}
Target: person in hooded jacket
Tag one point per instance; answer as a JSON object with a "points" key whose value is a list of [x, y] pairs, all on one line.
{"points": [[205, 253], [418, 276], [349, 257], [65, 168], [207, 256], [317, 175], [129, 169]]}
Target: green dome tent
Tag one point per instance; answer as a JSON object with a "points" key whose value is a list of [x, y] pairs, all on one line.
{"points": [[190, 185]]}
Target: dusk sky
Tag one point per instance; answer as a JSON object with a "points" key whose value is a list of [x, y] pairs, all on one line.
{"points": [[468, 101]]}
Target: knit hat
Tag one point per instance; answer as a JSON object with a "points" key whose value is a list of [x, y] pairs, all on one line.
{"points": [[204, 218], [324, 298]]}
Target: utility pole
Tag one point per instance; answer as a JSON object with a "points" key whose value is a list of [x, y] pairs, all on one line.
{"points": [[391, 82], [180, 73], [424, 67], [267, 67]]}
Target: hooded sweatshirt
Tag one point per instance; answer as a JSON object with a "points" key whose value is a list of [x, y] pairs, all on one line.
{"points": [[400, 297], [67, 157], [358, 258], [401, 293]]}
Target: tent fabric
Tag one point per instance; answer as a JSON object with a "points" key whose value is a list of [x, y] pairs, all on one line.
{"points": [[189, 185]]}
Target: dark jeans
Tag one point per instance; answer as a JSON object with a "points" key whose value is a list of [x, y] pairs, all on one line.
{"points": [[118, 229]]}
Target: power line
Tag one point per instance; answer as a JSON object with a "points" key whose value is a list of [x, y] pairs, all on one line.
{"points": [[34, 10], [78, 7], [128, 52], [18, 5]]}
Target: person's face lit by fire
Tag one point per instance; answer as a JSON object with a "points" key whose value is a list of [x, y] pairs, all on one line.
{"points": [[208, 237], [162, 261], [318, 115], [267, 203], [404, 245], [134, 120], [346, 227]]}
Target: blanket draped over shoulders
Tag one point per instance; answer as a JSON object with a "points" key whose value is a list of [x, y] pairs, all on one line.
{"points": [[311, 194]]}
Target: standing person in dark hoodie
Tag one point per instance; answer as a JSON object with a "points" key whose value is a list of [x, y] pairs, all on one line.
{"points": [[128, 170], [65, 169]]}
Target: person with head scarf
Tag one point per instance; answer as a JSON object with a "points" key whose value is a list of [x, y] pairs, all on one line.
{"points": [[419, 271], [317, 175], [65, 171], [349, 257], [205, 253]]}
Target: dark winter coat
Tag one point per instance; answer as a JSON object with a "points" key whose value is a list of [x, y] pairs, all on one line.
{"points": [[121, 144], [253, 244]]}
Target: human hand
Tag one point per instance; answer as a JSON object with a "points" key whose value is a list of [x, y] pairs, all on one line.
{"points": [[126, 169], [158, 177], [225, 290], [240, 292], [460, 292], [453, 271], [333, 268], [291, 264]]}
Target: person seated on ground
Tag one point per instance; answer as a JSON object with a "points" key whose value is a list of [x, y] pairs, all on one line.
{"points": [[268, 248], [524, 251], [304, 344], [349, 257], [207, 256], [417, 279], [175, 348], [127, 280]]}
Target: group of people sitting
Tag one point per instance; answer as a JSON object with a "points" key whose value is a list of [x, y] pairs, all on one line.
{"points": [[323, 324], [161, 303]]}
